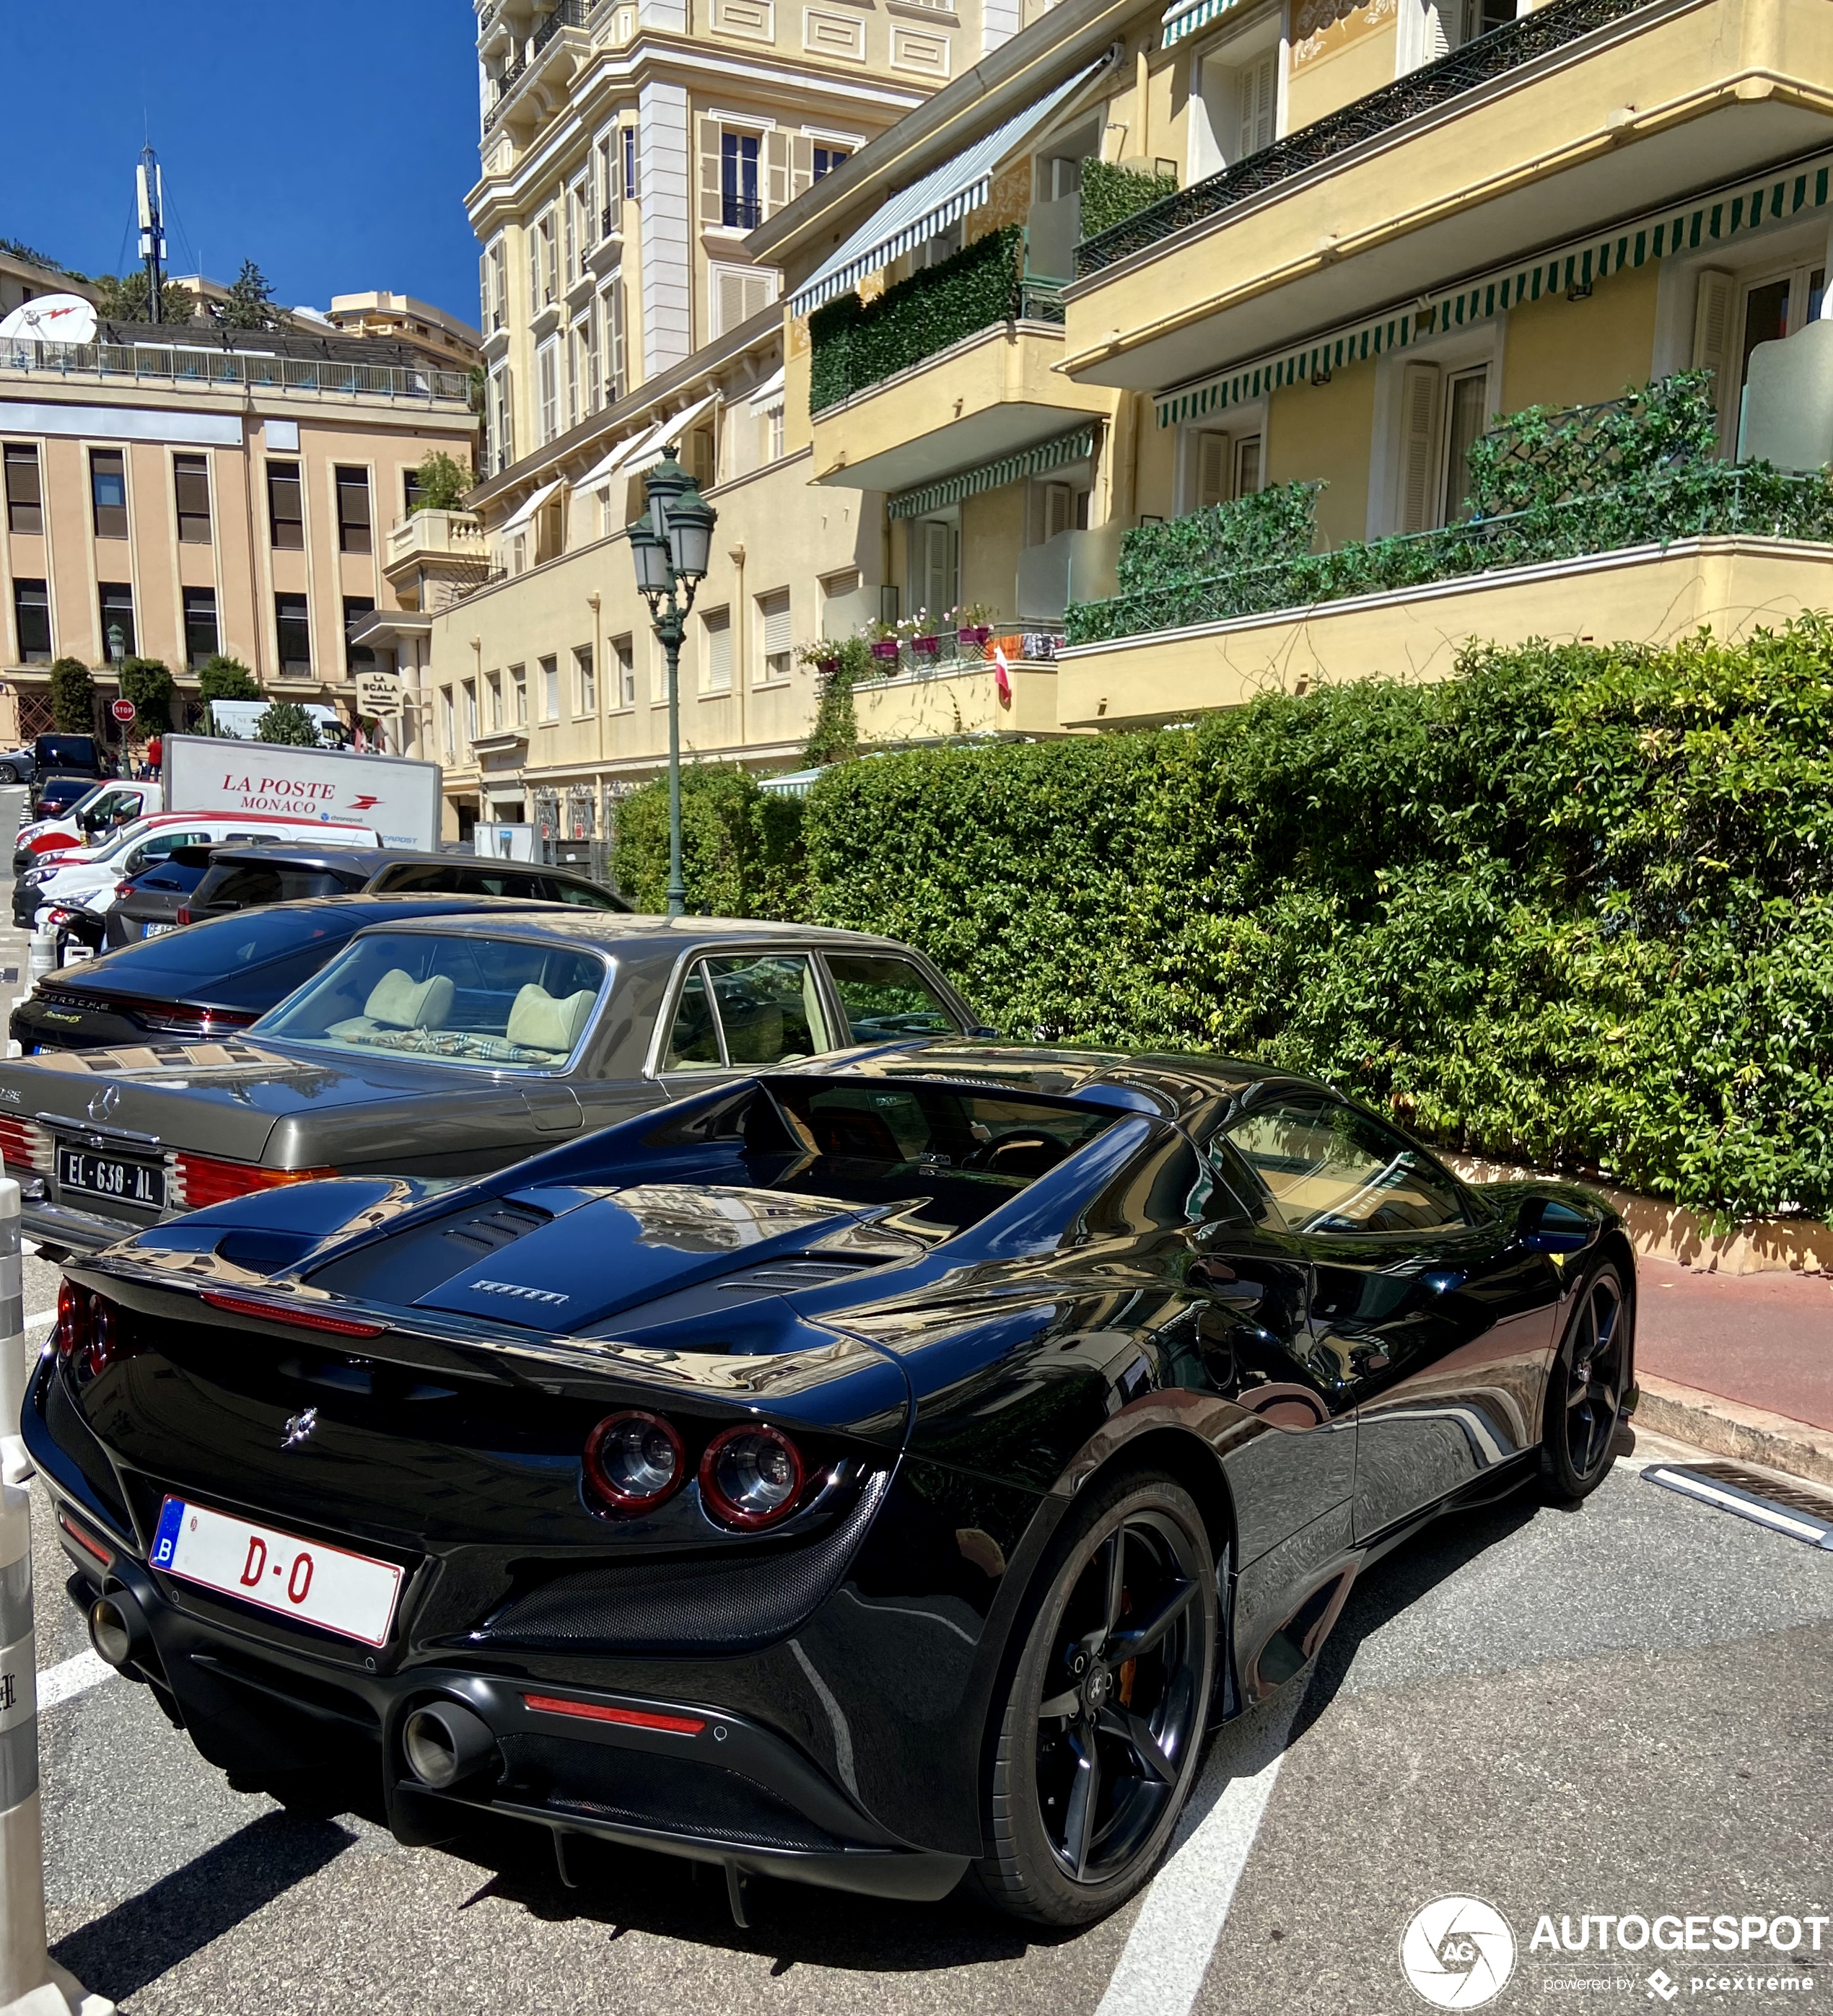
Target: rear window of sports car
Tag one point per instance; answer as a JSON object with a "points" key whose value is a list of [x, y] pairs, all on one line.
{"points": [[953, 1152], [502, 1004]]}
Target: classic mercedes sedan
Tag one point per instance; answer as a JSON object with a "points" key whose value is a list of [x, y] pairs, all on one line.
{"points": [[879, 1474], [445, 1048]]}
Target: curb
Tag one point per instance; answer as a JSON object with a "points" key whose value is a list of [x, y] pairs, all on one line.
{"points": [[1728, 1428]]}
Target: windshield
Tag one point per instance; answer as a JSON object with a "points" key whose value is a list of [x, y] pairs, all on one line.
{"points": [[214, 950], [116, 843], [506, 1003]]}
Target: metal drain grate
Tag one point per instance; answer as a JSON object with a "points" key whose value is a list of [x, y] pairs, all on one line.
{"points": [[1803, 1514]]}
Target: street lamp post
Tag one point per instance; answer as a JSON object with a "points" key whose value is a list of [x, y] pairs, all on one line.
{"points": [[670, 547]]}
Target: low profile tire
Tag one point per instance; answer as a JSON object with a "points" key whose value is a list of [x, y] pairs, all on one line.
{"points": [[8, 774], [1097, 1738], [1585, 1390]]}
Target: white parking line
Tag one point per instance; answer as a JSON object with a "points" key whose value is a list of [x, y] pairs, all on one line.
{"points": [[1167, 1954], [71, 1677], [41, 1316]]}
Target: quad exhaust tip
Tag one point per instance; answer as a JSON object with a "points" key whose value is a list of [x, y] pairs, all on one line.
{"points": [[445, 1744], [118, 1629]]}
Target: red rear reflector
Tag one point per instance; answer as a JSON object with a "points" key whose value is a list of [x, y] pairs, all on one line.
{"points": [[297, 1319], [82, 1539], [184, 913], [627, 1718]]}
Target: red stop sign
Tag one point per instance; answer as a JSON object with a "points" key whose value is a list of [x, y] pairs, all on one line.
{"points": [[123, 710]]}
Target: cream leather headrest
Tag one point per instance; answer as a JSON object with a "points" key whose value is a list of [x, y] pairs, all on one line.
{"points": [[542, 1023], [404, 1003]]}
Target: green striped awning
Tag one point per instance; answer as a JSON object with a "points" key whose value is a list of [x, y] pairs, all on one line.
{"points": [[1187, 16], [1071, 447], [1582, 264]]}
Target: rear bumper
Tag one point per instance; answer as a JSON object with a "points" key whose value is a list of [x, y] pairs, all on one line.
{"points": [[62, 1225], [707, 1784]]}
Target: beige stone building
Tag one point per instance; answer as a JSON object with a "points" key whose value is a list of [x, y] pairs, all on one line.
{"points": [[628, 152], [202, 490]]}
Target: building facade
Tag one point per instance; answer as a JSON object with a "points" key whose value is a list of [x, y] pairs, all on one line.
{"points": [[628, 152], [184, 490], [1317, 242]]}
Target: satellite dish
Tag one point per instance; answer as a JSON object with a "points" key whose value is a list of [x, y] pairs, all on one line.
{"points": [[51, 319]]}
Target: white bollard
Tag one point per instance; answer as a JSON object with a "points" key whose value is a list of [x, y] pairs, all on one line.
{"points": [[32, 1983], [42, 958]]}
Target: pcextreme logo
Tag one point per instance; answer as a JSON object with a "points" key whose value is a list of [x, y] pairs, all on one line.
{"points": [[1457, 1953]]}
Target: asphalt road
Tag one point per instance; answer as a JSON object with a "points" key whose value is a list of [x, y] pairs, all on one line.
{"points": [[1615, 1713]]}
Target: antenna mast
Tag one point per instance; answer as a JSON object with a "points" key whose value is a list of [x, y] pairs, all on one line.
{"points": [[151, 187]]}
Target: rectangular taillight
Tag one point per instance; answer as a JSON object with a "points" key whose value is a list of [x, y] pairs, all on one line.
{"points": [[24, 1144], [198, 1180]]}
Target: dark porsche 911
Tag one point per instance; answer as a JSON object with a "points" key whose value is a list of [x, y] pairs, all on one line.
{"points": [[878, 1473]]}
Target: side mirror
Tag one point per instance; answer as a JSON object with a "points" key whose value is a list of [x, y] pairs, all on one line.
{"points": [[1547, 1225]]}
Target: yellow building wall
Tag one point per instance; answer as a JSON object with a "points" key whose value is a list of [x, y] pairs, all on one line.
{"points": [[1561, 353], [1323, 433], [992, 536], [1155, 470], [1340, 51]]}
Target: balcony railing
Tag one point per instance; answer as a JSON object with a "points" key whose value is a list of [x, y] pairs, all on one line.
{"points": [[227, 368], [1516, 42], [1703, 501], [859, 344], [566, 14]]}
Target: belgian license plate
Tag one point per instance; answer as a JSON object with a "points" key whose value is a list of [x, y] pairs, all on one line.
{"points": [[336, 1590], [117, 1178], [156, 930]]}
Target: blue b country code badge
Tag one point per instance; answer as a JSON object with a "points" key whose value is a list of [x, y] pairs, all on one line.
{"points": [[165, 1537]]}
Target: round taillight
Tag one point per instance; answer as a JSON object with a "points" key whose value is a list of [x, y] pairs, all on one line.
{"points": [[104, 1345], [751, 1476], [72, 1332], [634, 1460]]}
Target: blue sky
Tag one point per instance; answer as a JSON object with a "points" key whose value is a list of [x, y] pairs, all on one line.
{"points": [[331, 142]]}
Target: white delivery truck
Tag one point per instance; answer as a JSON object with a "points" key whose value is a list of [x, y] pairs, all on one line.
{"points": [[399, 795]]}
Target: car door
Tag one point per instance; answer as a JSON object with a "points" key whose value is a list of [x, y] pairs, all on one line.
{"points": [[740, 1012], [1436, 1320]]}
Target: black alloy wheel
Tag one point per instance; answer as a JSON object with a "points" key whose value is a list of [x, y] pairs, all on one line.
{"points": [[1585, 1390], [1103, 1723]]}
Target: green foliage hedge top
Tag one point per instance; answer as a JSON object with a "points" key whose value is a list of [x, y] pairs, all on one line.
{"points": [[72, 698], [1573, 906], [148, 683], [855, 343], [224, 678], [1110, 194], [286, 721]]}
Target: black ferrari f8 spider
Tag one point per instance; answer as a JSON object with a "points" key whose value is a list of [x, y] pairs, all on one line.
{"points": [[879, 1473]]}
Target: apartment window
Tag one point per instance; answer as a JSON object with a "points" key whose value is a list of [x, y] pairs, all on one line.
{"points": [[549, 241], [550, 688], [200, 630], [604, 176], [108, 492], [519, 688], [470, 690], [493, 686], [191, 495], [575, 375], [25, 510], [294, 635], [739, 208], [614, 315], [31, 619], [1259, 103], [594, 354], [828, 158], [286, 504], [572, 243], [585, 681], [116, 599], [624, 650], [357, 657], [1247, 465], [630, 176], [718, 623], [496, 308], [1481, 15], [1467, 413], [1224, 467], [935, 563], [773, 434], [738, 293], [502, 427], [353, 510], [774, 628], [547, 370], [449, 720], [413, 492]]}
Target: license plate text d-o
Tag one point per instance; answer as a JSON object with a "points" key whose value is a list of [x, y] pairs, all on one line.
{"points": [[336, 1590]]}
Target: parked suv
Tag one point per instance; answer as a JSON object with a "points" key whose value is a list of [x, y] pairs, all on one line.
{"points": [[239, 878], [58, 758]]}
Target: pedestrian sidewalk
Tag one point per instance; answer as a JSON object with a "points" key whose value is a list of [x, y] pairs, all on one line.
{"points": [[1740, 1364]]}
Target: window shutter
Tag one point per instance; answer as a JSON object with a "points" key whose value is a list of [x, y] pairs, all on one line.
{"points": [[1711, 320], [533, 272], [711, 207], [484, 292], [619, 382], [1211, 470], [718, 650], [757, 293], [1058, 509], [801, 164], [776, 154], [1419, 432], [1259, 98], [729, 299], [776, 635]]}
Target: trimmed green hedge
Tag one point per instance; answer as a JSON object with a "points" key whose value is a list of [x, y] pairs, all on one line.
{"points": [[1573, 906], [1110, 194], [854, 344]]}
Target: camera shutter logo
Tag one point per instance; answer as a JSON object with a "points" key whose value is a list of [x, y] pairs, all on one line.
{"points": [[1457, 1953]]}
